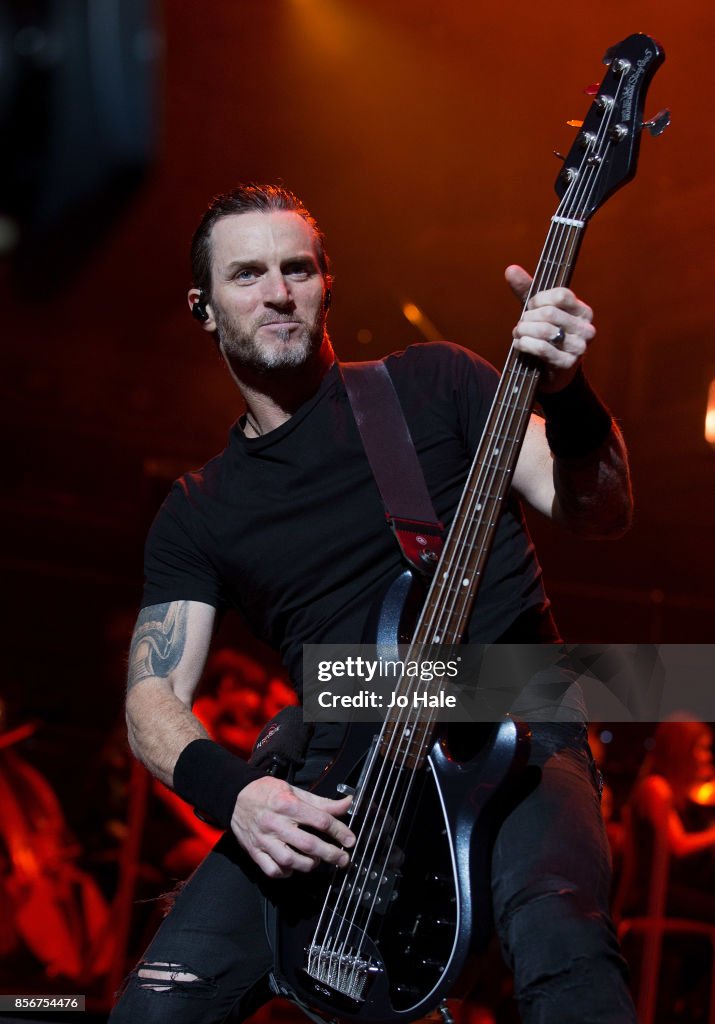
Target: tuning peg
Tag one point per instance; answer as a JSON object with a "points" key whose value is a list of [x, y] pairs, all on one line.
{"points": [[614, 62], [592, 90], [559, 156], [575, 124], [657, 125]]}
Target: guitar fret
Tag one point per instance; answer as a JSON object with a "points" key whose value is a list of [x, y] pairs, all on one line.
{"points": [[440, 636], [514, 369], [449, 580], [497, 454], [502, 437], [516, 407], [406, 744], [452, 591], [484, 497], [450, 588]]}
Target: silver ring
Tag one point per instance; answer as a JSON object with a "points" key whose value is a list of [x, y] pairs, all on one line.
{"points": [[559, 338]]}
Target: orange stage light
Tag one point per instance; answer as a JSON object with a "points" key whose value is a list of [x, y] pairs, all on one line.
{"points": [[710, 415]]}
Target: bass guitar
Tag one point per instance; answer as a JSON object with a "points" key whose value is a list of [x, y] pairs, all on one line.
{"points": [[387, 938]]}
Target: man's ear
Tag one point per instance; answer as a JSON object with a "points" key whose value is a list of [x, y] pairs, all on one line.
{"points": [[200, 310]]}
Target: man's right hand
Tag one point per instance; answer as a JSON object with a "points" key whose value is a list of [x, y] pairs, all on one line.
{"points": [[270, 821]]}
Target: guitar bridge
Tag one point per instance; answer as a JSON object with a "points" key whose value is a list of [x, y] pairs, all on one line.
{"points": [[345, 973]]}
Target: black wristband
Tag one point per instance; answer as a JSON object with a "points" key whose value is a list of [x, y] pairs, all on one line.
{"points": [[210, 778], [577, 421]]}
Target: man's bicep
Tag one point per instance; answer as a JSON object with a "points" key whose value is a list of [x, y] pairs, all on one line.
{"points": [[534, 473], [171, 642]]}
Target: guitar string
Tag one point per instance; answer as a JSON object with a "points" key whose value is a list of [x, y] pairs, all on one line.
{"points": [[356, 866], [385, 766], [398, 794], [555, 266], [583, 186], [380, 814], [495, 432], [523, 372], [370, 867], [396, 825], [401, 793], [553, 241], [353, 868]]}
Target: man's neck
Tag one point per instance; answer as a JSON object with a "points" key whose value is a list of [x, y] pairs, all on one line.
{"points": [[272, 398]]}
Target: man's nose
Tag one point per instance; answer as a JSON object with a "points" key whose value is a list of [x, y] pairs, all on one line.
{"points": [[277, 292]]}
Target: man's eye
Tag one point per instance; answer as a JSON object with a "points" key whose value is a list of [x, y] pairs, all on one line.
{"points": [[299, 270], [246, 274]]}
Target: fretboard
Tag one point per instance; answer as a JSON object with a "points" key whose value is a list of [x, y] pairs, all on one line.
{"points": [[460, 569]]}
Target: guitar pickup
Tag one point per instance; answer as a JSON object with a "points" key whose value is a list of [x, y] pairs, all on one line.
{"points": [[376, 891]]}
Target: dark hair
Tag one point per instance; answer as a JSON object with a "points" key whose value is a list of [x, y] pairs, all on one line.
{"points": [[247, 199]]}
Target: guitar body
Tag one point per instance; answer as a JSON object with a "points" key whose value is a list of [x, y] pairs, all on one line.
{"points": [[433, 887]]}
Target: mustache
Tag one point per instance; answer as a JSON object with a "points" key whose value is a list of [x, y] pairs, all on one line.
{"points": [[288, 318]]}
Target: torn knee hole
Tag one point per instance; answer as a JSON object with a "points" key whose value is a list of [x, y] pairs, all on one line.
{"points": [[160, 976]]}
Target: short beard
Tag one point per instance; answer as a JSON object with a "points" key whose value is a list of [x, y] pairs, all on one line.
{"points": [[243, 350]]}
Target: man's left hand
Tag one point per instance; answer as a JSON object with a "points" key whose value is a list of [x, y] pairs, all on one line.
{"points": [[556, 327]]}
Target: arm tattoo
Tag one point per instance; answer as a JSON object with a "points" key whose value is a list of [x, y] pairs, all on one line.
{"points": [[158, 641]]}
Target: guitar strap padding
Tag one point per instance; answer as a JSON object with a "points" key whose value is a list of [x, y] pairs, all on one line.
{"points": [[394, 463]]}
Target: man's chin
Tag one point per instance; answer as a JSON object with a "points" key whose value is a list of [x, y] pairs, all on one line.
{"points": [[271, 358]]}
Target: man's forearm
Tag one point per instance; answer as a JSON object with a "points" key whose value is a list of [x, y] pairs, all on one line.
{"points": [[166, 658], [159, 727]]}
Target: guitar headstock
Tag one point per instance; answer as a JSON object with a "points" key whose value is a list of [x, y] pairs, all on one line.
{"points": [[604, 155]]}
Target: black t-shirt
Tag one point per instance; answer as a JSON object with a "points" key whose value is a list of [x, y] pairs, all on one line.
{"points": [[290, 530]]}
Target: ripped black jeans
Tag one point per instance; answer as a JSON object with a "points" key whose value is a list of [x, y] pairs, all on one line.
{"points": [[551, 879]]}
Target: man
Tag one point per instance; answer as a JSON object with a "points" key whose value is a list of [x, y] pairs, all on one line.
{"points": [[287, 526]]}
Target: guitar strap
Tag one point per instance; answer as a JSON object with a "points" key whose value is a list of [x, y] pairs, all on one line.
{"points": [[394, 463]]}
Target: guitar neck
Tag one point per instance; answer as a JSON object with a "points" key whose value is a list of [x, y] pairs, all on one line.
{"points": [[459, 573], [602, 158]]}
